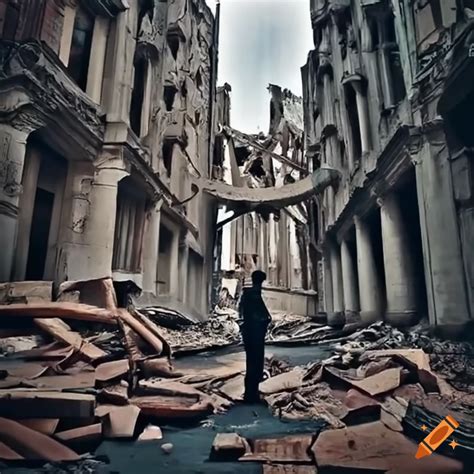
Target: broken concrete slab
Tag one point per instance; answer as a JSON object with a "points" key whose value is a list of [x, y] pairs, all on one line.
{"points": [[7, 453], [99, 292], [63, 333], [155, 342], [289, 449], [228, 447], [417, 357], [428, 381], [26, 292], [113, 370], [374, 446], [46, 426], [165, 407], [151, 433], [169, 388], [160, 367], [379, 383], [234, 388], [37, 404], [286, 381], [356, 399], [154, 329], [81, 380], [82, 434], [80, 312], [120, 422], [116, 394], [32, 444], [397, 407]]}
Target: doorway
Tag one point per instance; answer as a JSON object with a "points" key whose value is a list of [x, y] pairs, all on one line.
{"points": [[39, 236]]}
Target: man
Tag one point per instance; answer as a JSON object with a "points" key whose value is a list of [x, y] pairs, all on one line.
{"points": [[256, 318]]}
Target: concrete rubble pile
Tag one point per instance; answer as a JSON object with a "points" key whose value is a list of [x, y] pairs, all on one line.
{"points": [[80, 369], [220, 330], [382, 392]]}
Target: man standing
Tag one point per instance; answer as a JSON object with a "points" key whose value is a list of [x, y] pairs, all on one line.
{"points": [[256, 318]]}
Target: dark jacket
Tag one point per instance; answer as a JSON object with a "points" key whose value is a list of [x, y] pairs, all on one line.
{"points": [[252, 308]]}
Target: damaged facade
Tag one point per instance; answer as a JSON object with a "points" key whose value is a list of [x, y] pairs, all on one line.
{"points": [[106, 112], [273, 240], [387, 95]]}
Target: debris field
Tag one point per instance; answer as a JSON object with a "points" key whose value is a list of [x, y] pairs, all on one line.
{"points": [[76, 369]]}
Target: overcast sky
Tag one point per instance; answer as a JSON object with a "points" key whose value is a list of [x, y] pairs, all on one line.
{"points": [[261, 42]]}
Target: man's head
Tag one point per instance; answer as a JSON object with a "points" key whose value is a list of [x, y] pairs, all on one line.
{"points": [[258, 277]]}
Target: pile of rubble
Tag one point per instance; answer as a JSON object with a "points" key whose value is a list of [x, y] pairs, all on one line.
{"points": [[80, 369], [381, 394], [220, 330]]}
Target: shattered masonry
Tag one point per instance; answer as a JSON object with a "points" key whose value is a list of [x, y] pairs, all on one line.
{"points": [[387, 102]]}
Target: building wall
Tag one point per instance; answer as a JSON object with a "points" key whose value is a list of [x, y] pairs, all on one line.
{"points": [[372, 87], [131, 123]]}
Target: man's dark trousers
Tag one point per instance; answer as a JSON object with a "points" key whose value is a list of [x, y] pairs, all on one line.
{"points": [[254, 343]]}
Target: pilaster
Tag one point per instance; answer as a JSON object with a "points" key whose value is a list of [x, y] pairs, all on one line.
{"points": [[349, 278], [400, 278], [12, 160], [369, 284]]}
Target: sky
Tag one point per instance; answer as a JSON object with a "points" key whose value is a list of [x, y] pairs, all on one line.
{"points": [[261, 42]]}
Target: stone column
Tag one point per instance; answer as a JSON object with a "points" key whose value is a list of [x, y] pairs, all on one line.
{"points": [[183, 260], [363, 113], [151, 250], [369, 285], [385, 68], [97, 60], [12, 160], [400, 275], [90, 254], [336, 318], [349, 279], [328, 297]]}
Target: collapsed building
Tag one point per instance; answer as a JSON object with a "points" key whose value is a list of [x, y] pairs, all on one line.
{"points": [[273, 240], [106, 116], [387, 98]]}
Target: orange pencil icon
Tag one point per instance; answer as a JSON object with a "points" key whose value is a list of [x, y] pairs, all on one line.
{"points": [[437, 437]]}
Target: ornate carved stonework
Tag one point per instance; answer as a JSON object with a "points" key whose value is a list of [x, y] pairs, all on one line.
{"points": [[48, 93]]}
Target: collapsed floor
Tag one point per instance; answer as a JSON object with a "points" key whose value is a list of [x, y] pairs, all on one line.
{"points": [[80, 370]]}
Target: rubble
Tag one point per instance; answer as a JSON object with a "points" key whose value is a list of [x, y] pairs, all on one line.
{"points": [[228, 447], [373, 446], [87, 380], [151, 433], [219, 330], [167, 448], [375, 395], [89, 371]]}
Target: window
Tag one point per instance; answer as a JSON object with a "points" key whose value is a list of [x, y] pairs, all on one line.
{"points": [[129, 228], [173, 43], [81, 44], [138, 94], [353, 116], [167, 155], [384, 44], [169, 94], [165, 248]]}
